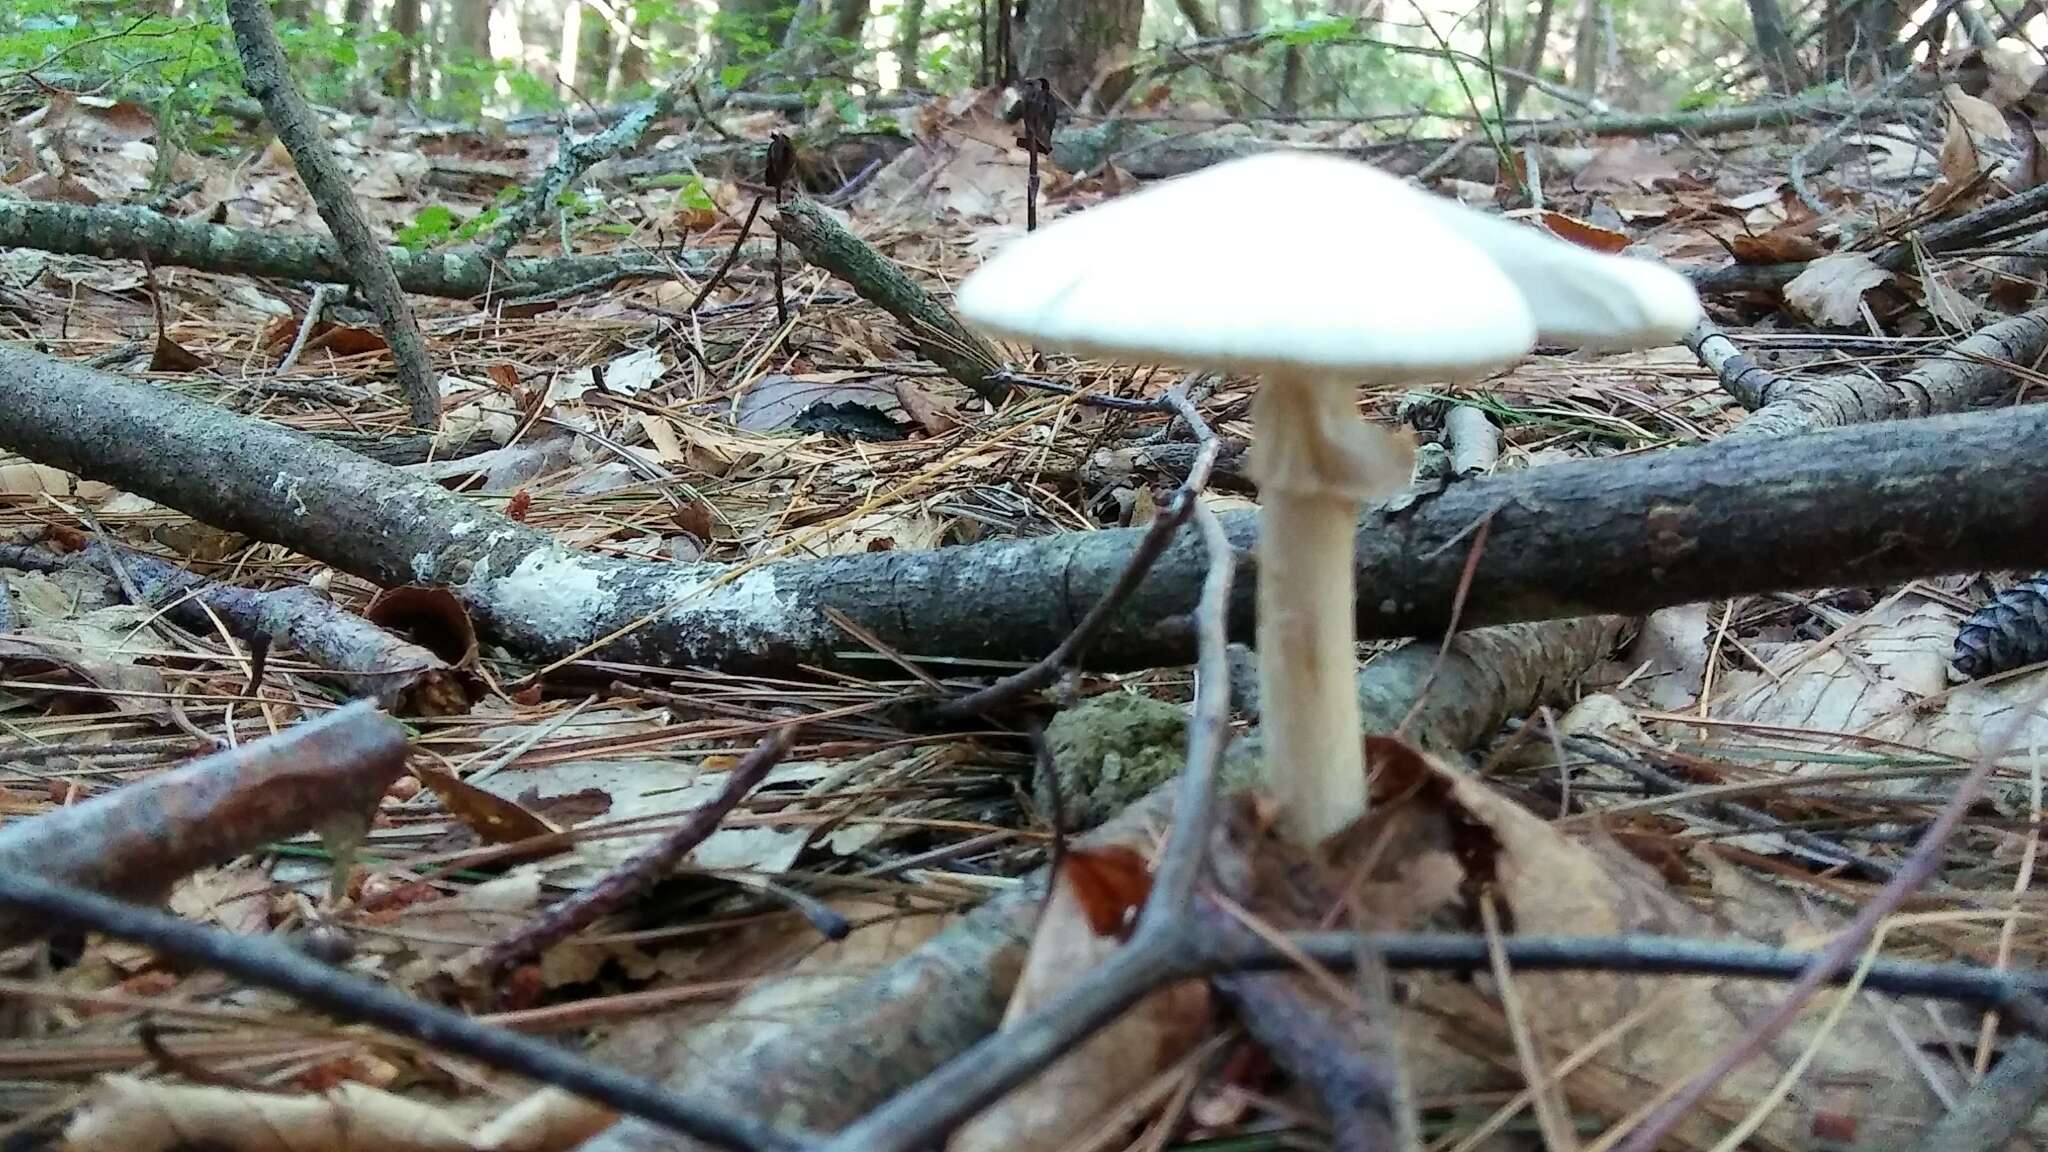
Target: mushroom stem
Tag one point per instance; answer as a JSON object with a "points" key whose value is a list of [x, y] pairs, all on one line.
{"points": [[1308, 664], [1315, 462]]}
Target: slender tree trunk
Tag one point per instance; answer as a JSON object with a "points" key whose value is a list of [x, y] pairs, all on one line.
{"points": [[1073, 42], [596, 52], [1774, 48], [1586, 50], [570, 57], [1201, 21], [909, 42], [1250, 15], [1293, 63], [629, 56], [749, 29], [293, 11], [1532, 58], [405, 21], [472, 29]]}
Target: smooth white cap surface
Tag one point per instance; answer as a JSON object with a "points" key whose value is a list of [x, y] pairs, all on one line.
{"points": [[1319, 264], [1277, 261], [1580, 298]]}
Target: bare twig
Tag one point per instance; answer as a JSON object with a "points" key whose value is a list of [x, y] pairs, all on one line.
{"points": [[920, 1116], [314, 307], [1160, 533], [635, 876], [1919, 867], [572, 159], [268, 964]]}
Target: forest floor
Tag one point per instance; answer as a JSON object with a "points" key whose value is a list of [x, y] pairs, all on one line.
{"points": [[1750, 768]]}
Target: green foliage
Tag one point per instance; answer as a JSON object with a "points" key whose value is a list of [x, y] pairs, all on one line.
{"points": [[692, 196], [1317, 30], [435, 225]]}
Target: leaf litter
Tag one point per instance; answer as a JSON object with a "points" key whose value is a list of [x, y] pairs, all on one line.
{"points": [[625, 429]]}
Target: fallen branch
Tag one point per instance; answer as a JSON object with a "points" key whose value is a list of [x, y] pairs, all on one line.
{"points": [[373, 664], [572, 159], [269, 964], [1977, 370], [937, 333], [136, 841], [133, 233], [268, 78], [1866, 505], [1961, 232]]}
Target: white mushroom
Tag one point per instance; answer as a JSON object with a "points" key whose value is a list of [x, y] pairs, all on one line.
{"points": [[1319, 275]]}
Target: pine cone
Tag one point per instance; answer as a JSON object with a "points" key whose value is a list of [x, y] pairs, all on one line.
{"points": [[2009, 632]]}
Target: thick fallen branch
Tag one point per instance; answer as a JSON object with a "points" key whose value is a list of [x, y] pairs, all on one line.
{"points": [[136, 841], [1866, 505], [122, 233]]}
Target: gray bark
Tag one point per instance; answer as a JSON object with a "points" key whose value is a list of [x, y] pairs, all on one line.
{"points": [[1774, 48], [1073, 42], [1857, 506], [136, 233]]}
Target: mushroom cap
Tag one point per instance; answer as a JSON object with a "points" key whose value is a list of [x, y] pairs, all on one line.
{"points": [[1580, 298], [1277, 262], [1291, 261]]}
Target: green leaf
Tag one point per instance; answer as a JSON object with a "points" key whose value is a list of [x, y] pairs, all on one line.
{"points": [[732, 75], [434, 224]]}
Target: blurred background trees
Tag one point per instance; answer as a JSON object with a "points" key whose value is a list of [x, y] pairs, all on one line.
{"points": [[1335, 59]]}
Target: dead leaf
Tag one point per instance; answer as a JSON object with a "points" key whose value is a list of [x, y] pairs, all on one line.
{"points": [[774, 401], [1583, 234], [1626, 164], [1092, 904], [1453, 1029], [1778, 246], [1830, 290], [936, 416], [495, 819]]}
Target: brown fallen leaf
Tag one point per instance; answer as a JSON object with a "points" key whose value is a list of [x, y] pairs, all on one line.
{"points": [[127, 1114], [1429, 815], [1093, 902], [1830, 290]]}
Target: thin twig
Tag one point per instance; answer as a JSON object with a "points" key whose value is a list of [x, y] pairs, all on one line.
{"points": [[633, 877], [1180, 867], [1158, 535], [922, 1115], [1919, 867], [313, 309], [732, 254], [268, 964]]}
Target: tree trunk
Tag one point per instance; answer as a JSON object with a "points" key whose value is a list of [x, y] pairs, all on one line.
{"points": [[822, 32], [1073, 42], [1293, 62], [471, 23], [909, 42], [629, 56], [1532, 58], [405, 21], [570, 56], [1586, 50], [1860, 34], [1774, 48], [596, 54], [1250, 15], [1201, 21]]}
